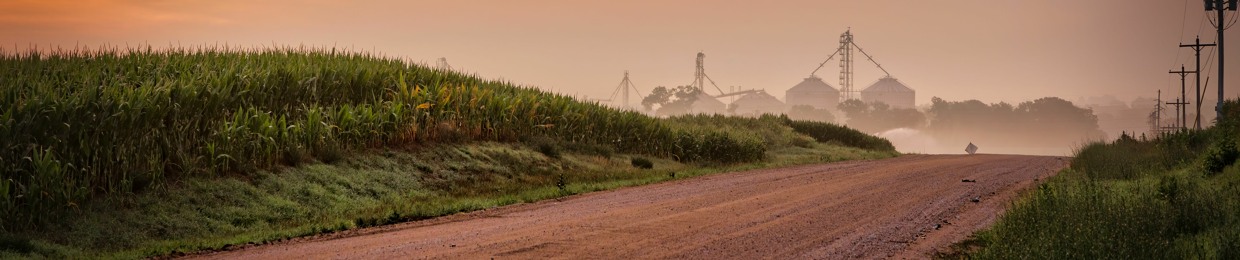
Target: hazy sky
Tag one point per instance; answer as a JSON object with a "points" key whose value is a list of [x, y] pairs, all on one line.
{"points": [[975, 49]]}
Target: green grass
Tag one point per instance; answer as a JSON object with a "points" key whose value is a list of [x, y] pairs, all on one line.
{"points": [[134, 153], [380, 187], [1176, 197]]}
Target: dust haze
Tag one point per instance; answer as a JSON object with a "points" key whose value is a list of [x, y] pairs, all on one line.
{"points": [[1032, 77]]}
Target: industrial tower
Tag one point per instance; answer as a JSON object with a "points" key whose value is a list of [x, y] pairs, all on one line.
{"points": [[845, 51], [700, 73], [623, 90], [846, 66], [700, 78]]}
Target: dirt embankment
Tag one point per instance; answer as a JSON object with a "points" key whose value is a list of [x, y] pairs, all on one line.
{"points": [[904, 207]]}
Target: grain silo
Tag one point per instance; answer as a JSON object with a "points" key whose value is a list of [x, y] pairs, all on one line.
{"points": [[757, 103], [890, 91], [813, 92]]}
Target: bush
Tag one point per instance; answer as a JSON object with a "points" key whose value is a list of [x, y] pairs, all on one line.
{"points": [[642, 163], [1220, 155]]}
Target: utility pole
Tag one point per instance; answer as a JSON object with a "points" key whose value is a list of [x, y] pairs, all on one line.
{"points": [[1221, 8], [1179, 108], [1183, 113], [1197, 46], [1157, 116]]}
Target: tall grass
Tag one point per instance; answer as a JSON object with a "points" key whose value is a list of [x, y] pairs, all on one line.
{"points": [[83, 123], [1174, 197]]}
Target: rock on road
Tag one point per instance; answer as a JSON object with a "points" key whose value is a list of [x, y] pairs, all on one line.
{"points": [[904, 207]]}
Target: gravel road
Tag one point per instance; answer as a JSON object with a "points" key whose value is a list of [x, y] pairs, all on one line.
{"points": [[906, 207]]}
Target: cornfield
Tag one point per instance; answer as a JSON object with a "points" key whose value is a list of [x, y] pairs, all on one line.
{"points": [[82, 123]]}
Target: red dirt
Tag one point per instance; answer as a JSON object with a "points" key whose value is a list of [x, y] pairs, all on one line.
{"points": [[860, 209]]}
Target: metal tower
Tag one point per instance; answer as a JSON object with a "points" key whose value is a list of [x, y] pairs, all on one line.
{"points": [[700, 78], [846, 65], [623, 89], [845, 51], [700, 74]]}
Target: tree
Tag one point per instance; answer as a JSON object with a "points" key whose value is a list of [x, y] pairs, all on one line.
{"points": [[878, 116], [1032, 126], [658, 96], [662, 96]]}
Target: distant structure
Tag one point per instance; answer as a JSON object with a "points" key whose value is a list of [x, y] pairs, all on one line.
{"points": [[442, 64], [623, 90], [890, 91], [705, 104], [886, 90], [813, 92], [846, 64], [757, 103]]}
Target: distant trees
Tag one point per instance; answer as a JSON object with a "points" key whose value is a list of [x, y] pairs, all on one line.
{"points": [[663, 97], [878, 117], [807, 112], [1045, 122]]}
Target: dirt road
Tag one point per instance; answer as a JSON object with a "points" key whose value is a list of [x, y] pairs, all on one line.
{"points": [[904, 207]]}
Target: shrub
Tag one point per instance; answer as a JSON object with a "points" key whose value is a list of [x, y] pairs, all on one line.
{"points": [[642, 163], [1220, 155]]}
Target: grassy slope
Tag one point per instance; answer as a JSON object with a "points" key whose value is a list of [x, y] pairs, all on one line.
{"points": [[179, 161], [1176, 197], [374, 188]]}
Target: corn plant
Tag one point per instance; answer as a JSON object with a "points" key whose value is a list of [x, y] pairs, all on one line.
{"points": [[93, 122]]}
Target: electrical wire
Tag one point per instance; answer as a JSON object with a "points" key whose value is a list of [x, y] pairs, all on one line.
{"points": [[1230, 23], [1183, 19]]}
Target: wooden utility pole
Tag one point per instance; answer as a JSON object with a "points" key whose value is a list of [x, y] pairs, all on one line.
{"points": [[1183, 112], [1197, 46], [1179, 109]]}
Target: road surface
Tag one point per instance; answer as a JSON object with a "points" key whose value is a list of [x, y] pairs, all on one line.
{"points": [[905, 207]]}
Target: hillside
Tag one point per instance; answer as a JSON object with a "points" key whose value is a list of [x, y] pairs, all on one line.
{"points": [[136, 153]]}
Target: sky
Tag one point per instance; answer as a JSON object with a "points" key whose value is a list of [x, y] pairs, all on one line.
{"points": [[1010, 51]]}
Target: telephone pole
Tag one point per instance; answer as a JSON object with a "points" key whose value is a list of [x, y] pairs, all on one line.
{"points": [[1197, 46], [1179, 108], [1155, 124], [1183, 113], [1220, 7]]}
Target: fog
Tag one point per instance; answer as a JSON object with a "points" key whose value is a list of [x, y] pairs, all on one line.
{"points": [[991, 51]]}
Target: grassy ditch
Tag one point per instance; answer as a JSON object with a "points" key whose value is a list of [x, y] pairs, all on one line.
{"points": [[1174, 197], [134, 153], [377, 188]]}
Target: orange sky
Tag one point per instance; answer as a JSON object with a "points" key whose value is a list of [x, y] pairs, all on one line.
{"points": [[967, 49]]}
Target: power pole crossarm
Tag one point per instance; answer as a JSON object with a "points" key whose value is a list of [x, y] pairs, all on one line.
{"points": [[1197, 46], [1183, 96]]}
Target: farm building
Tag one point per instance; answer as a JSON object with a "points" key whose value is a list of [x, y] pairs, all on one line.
{"points": [[813, 92], [890, 91], [757, 103], [706, 104]]}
